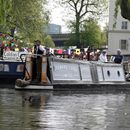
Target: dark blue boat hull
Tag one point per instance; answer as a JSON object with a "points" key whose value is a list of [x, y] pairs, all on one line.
{"points": [[10, 71]]}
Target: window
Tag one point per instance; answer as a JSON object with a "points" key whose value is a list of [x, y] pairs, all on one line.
{"points": [[124, 25], [123, 45]]}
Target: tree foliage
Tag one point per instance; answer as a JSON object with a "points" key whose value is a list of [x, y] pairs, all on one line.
{"points": [[125, 8], [5, 8], [27, 17], [83, 9], [90, 35], [48, 42]]}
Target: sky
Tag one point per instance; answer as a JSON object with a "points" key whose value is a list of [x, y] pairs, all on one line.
{"points": [[58, 16]]}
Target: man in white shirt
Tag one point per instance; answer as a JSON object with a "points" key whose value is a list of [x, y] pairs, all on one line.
{"points": [[39, 50]]}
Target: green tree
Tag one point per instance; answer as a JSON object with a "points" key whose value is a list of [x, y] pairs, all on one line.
{"points": [[5, 7], [125, 9], [71, 41], [27, 17], [82, 9], [48, 42], [91, 34], [104, 35]]}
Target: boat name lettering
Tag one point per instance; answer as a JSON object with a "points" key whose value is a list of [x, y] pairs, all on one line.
{"points": [[64, 67], [12, 55]]}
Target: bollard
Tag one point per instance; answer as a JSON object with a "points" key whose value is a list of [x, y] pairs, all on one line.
{"points": [[28, 71], [44, 70]]}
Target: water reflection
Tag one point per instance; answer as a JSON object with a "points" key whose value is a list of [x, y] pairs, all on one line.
{"points": [[66, 111]]}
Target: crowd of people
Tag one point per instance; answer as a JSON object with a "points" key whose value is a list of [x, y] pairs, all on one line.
{"points": [[88, 54], [85, 54]]}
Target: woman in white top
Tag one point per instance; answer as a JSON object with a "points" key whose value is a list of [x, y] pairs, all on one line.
{"points": [[103, 56]]}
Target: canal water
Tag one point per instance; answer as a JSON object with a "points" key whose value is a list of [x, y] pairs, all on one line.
{"points": [[70, 110]]}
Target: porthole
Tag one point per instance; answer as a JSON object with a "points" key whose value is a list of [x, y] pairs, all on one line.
{"points": [[118, 73], [108, 73]]}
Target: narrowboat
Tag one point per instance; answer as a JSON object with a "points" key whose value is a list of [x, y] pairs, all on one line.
{"points": [[70, 74], [11, 67]]}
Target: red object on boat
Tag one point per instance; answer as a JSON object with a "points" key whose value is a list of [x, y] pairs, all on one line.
{"points": [[60, 51]]}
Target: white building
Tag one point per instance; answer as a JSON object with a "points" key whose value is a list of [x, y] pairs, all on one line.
{"points": [[118, 37]]}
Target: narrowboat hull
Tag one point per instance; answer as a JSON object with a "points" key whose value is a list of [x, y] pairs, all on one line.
{"points": [[105, 87], [69, 74], [10, 71], [35, 87]]}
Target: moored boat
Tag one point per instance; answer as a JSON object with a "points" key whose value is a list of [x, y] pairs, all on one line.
{"points": [[11, 67], [68, 74]]}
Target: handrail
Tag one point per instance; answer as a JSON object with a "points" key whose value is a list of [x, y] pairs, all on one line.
{"points": [[29, 55], [25, 69], [21, 57]]}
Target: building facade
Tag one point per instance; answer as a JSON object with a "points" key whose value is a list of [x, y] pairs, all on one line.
{"points": [[53, 29], [118, 36]]}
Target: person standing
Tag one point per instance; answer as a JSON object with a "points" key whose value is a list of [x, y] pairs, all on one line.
{"points": [[103, 56], [118, 58], [39, 50]]}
